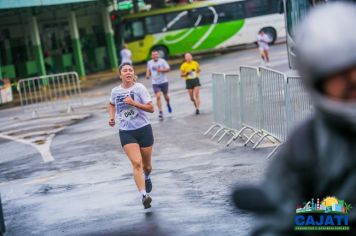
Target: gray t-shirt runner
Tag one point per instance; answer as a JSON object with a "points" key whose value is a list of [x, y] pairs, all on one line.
{"points": [[130, 117], [158, 77]]}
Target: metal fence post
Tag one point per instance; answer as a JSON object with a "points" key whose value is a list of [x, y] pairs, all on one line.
{"points": [[56, 91], [289, 120]]}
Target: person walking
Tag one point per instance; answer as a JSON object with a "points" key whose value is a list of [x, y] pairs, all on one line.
{"points": [[125, 54], [190, 72], [157, 69], [263, 40], [129, 102], [319, 158]]}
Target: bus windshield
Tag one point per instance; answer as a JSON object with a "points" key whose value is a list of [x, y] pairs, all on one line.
{"points": [[296, 10]]}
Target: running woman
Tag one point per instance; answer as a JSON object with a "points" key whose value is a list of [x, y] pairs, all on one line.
{"points": [[190, 72], [129, 102], [262, 41], [157, 69]]}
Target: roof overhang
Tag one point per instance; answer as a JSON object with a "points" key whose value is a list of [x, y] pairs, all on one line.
{"points": [[13, 4]]}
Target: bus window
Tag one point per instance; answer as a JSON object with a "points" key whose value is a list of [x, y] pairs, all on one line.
{"points": [[134, 30], [257, 8], [231, 11], [178, 20], [154, 24], [281, 7], [204, 15]]}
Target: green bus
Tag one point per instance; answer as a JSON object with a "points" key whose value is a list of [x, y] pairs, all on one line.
{"points": [[201, 26]]}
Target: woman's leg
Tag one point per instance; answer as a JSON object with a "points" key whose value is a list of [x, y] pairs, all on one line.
{"points": [[262, 53], [267, 55], [191, 95], [146, 160], [196, 92], [132, 150]]}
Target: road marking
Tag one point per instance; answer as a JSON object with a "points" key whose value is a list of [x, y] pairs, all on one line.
{"points": [[43, 149], [198, 154]]}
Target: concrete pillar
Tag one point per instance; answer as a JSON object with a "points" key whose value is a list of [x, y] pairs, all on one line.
{"points": [[36, 45], [77, 48], [110, 42]]}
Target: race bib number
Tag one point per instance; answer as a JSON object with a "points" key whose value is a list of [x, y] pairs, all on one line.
{"points": [[192, 75], [125, 112], [128, 114]]}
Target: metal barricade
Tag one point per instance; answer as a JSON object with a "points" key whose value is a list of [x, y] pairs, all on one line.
{"points": [[249, 78], [250, 101], [234, 101], [273, 104], [232, 121], [218, 81], [51, 91], [300, 106], [263, 101]]}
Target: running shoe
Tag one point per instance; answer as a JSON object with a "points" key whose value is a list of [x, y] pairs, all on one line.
{"points": [[146, 201], [169, 108], [148, 185], [197, 112], [160, 116]]}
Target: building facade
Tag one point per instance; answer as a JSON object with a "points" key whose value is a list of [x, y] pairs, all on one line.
{"points": [[54, 36]]}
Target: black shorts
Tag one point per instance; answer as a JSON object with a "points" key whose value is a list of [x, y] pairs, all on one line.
{"points": [[192, 83], [142, 136], [160, 88]]}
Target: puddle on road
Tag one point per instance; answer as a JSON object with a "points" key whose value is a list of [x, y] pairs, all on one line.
{"points": [[239, 165], [40, 141], [52, 189]]}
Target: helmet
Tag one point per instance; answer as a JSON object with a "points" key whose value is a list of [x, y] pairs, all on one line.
{"points": [[325, 45]]}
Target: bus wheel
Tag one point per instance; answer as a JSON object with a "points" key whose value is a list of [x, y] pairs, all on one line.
{"points": [[272, 34], [163, 51]]}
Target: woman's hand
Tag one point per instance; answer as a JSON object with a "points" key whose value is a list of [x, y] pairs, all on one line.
{"points": [[128, 100], [112, 122]]}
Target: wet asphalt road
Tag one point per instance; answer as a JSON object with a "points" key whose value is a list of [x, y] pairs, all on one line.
{"points": [[88, 189]]}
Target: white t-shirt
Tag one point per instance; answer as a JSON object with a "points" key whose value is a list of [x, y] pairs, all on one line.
{"points": [[158, 77], [263, 41], [125, 56], [130, 117]]}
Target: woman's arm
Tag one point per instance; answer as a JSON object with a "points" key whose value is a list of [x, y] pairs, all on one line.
{"points": [[183, 73], [111, 111], [145, 107]]}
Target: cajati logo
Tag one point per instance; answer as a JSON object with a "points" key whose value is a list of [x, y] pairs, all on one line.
{"points": [[329, 214]]}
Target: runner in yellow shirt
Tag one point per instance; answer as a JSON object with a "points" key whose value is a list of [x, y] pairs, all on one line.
{"points": [[190, 72]]}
